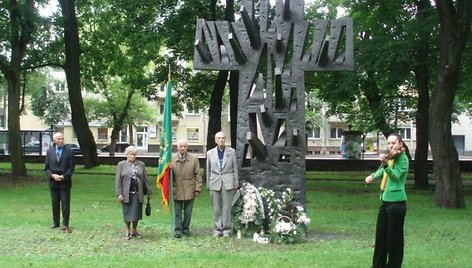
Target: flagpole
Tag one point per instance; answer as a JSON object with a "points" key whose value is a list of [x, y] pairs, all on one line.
{"points": [[164, 171], [171, 201], [171, 188]]}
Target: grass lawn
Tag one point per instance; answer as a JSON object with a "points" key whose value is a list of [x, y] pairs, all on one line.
{"points": [[341, 232]]}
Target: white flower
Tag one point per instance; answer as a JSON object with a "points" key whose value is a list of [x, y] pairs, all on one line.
{"points": [[284, 227], [301, 219], [255, 237]]}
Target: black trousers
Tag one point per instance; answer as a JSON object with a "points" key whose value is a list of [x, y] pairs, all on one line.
{"points": [[183, 225], [60, 198], [389, 239]]}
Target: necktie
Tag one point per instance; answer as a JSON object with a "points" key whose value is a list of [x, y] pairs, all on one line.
{"points": [[384, 179], [58, 153]]}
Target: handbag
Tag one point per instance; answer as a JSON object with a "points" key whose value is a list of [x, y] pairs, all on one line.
{"points": [[144, 190], [148, 208]]}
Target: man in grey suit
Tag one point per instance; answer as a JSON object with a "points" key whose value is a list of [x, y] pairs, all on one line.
{"points": [[59, 168], [222, 181]]}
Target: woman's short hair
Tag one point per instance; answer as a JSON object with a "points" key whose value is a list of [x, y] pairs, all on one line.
{"points": [[130, 150]]}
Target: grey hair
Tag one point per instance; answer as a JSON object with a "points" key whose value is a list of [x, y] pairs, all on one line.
{"points": [[130, 149], [55, 135], [181, 142]]}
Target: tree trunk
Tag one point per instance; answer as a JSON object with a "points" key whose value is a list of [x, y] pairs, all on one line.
{"points": [[21, 29], [454, 30], [115, 134], [422, 139], [422, 52], [233, 96], [233, 84], [130, 133], [214, 112], [72, 69], [118, 122], [18, 166]]}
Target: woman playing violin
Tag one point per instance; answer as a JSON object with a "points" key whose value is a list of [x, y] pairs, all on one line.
{"points": [[391, 217]]}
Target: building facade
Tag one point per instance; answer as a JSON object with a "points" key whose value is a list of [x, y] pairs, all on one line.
{"points": [[325, 140]]}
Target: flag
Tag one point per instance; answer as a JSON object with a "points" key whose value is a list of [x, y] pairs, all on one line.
{"points": [[165, 158]]}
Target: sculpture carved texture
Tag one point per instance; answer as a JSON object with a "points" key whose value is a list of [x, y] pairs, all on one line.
{"points": [[271, 54]]}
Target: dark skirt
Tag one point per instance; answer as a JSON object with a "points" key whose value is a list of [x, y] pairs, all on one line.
{"points": [[132, 211]]}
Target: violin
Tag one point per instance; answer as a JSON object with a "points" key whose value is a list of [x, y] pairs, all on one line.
{"points": [[396, 150], [392, 154]]}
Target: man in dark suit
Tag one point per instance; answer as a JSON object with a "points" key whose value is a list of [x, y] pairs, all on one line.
{"points": [[59, 168], [222, 181]]}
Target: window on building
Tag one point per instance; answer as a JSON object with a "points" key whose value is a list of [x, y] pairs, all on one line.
{"points": [[59, 87], [124, 135], [141, 129], [161, 108], [174, 134], [191, 110], [192, 134], [102, 134], [336, 133], [405, 133], [313, 133]]}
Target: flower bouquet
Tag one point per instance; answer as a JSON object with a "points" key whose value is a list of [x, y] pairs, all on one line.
{"points": [[247, 210], [285, 230], [257, 212], [292, 221]]}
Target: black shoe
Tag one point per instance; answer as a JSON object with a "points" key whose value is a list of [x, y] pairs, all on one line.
{"points": [[187, 233], [177, 235], [54, 226]]}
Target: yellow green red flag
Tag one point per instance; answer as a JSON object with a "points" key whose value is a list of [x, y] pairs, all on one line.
{"points": [[165, 157]]}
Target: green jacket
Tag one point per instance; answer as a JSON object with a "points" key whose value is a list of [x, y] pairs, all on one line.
{"points": [[397, 174]]}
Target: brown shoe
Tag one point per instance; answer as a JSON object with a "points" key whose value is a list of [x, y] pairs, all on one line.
{"points": [[66, 229]]}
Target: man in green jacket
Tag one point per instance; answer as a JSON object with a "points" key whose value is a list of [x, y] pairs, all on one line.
{"points": [[187, 184], [389, 239]]}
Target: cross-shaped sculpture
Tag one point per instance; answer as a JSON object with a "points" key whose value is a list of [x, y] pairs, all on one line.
{"points": [[271, 53]]}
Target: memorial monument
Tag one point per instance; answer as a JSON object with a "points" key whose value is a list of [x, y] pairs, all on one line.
{"points": [[272, 48]]}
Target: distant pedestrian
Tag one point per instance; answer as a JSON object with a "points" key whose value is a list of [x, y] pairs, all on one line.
{"points": [[59, 167], [389, 238], [130, 185], [187, 184]]}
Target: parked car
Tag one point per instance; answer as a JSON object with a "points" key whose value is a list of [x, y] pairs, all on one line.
{"points": [[31, 147], [76, 148]]}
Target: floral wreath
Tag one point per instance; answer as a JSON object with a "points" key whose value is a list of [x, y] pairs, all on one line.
{"points": [[260, 212], [248, 208]]}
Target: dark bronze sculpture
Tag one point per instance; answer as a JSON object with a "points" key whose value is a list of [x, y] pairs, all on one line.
{"points": [[272, 49]]}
